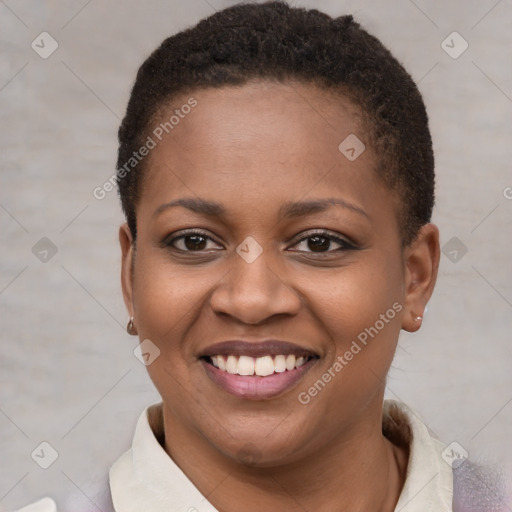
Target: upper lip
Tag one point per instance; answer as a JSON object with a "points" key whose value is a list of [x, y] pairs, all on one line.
{"points": [[256, 349]]}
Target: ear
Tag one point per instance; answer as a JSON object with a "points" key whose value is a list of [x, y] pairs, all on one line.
{"points": [[127, 248], [421, 260]]}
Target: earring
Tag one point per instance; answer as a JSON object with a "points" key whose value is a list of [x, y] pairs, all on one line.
{"points": [[418, 318], [130, 328]]}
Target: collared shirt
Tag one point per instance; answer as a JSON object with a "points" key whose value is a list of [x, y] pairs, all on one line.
{"points": [[146, 478]]}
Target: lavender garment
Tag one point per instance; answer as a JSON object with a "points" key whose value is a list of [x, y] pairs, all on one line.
{"points": [[477, 488]]}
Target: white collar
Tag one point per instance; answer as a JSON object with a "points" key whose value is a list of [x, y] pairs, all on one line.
{"points": [[146, 478], [428, 483]]}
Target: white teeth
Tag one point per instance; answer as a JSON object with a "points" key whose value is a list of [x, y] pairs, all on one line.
{"points": [[264, 366], [246, 365], [279, 364], [260, 366], [232, 365]]}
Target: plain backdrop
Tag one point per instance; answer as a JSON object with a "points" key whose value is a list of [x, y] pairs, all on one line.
{"points": [[68, 373]]}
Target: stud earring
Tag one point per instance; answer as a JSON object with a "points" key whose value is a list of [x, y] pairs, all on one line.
{"points": [[418, 318], [130, 328]]}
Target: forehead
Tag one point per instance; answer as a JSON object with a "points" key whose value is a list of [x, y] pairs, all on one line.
{"points": [[262, 109], [262, 141]]}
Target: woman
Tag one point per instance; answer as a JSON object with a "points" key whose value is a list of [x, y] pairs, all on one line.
{"points": [[276, 171], [278, 238]]}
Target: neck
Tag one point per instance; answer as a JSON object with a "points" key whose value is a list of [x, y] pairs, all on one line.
{"points": [[360, 471]]}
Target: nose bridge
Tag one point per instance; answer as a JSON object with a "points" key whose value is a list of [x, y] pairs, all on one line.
{"points": [[253, 290], [253, 272]]}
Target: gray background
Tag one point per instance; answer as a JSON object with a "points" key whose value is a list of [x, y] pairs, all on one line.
{"points": [[68, 373]]}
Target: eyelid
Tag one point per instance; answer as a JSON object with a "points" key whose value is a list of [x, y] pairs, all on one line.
{"points": [[345, 242], [169, 239], [341, 240]]}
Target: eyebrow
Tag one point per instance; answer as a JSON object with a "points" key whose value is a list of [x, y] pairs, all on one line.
{"points": [[196, 205], [288, 210], [302, 208]]}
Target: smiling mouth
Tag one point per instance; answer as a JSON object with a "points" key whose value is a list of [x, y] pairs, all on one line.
{"points": [[257, 370], [263, 366]]}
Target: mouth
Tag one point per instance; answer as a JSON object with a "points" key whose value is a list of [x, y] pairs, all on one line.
{"points": [[259, 366], [257, 370]]}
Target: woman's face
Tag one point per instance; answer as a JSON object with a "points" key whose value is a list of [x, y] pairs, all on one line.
{"points": [[263, 246]]}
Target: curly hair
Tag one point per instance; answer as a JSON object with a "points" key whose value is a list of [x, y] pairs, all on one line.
{"points": [[273, 41]]}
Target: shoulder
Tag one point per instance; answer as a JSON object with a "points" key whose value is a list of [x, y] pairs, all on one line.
{"points": [[455, 483], [479, 488]]}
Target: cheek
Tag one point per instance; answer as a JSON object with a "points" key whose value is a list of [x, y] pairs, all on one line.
{"points": [[352, 299], [167, 298], [167, 301], [360, 310]]}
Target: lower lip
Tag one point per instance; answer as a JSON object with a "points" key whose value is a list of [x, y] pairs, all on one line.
{"points": [[254, 387]]}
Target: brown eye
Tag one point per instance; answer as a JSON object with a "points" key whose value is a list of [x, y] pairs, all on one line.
{"points": [[191, 242], [322, 242], [194, 242], [318, 243]]}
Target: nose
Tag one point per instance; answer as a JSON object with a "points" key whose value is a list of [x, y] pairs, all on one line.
{"points": [[253, 292]]}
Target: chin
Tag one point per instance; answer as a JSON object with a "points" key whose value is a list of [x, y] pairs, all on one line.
{"points": [[258, 449]]}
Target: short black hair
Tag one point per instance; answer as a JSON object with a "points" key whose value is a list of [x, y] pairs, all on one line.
{"points": [[273, 41]]}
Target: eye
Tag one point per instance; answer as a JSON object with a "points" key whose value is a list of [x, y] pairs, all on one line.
{"points": [[191, 241], [322, 242]]}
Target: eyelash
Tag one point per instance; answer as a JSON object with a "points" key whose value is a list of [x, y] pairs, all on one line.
{"points": [[345, 244]]}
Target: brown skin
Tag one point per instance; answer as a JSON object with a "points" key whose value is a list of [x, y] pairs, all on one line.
{"points": [[253, 148]]}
